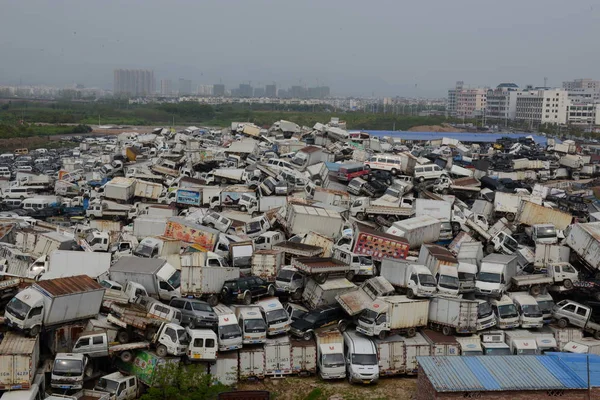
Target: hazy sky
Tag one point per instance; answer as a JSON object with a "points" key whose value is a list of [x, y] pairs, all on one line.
{"points": [[393, 47]]}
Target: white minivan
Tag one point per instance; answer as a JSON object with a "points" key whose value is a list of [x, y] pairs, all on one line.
{"points": [[17, 192], [362, 365], [203, 345], [229, 332], [429, 171]]}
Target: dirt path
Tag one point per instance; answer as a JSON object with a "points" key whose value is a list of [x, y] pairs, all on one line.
{"points": [[315, 389]]}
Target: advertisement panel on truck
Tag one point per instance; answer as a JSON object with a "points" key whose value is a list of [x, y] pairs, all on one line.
{"points": [[188, 197]]}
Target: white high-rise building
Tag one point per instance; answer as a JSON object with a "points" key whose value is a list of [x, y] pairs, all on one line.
{"points": [[501, 102], [542, 106], [584, 114]]}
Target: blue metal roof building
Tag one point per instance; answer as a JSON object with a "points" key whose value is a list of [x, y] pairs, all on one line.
{"points": [[580, 363], [499, 373], [462, 136]]}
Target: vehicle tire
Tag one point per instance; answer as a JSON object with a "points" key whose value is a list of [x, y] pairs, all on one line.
{"points": [[447, 331], [367, 166], [350, 275], [360, 216], [126, 356], [307, 336], [535, 290], [456, 227], [568, 284], [255, 214], [411, 332], [320, 278], [489, 248], [421, 179], [247, 299], [224, 181], [271, 291], [33, 332], [562, 323], [161, 350], [297, 295], [445, 191], [342, 325], [123, 337], [243, 208], [382, 335], [394, 171], [510, 217], [410, 294], [213, 300]]}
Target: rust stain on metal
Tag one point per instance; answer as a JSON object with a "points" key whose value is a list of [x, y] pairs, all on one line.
{"points": [[69, 285]]}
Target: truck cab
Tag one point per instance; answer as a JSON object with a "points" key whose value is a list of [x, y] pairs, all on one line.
{"points": [[252, 324], [257, 226], [447, 280], [544, 234], [506, 312], [569, 312], [523, 346], [98, 241], [530, 315], [203, 345], [485, 315], [171, 339], [290, 280], [275, 316], [266, 240], [68, 371], [361, 358], [229, 334], [217, 221], [362, 264], [119, 386]]}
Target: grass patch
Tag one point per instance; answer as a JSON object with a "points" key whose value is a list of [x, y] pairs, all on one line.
{"points": [[315, 394]]}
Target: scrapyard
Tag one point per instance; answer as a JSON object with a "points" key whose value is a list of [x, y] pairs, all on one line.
{"points": [[291, 250]]}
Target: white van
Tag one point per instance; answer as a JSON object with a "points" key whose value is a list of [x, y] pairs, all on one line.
{"points": [[5, 172], [18, 192], [12, 203], [362, 365], [254, 328], [429, 171], [37, 203], [229, 332], [279, 164], [203, 345], [530, 314], [277, 319], [385, 162]]}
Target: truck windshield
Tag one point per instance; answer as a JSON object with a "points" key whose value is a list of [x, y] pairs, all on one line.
{"points": [[18, 308], [67, 367], [490, 277], [466, 276], [392, 192], [253, 227], [484, 310], [277, 316], [333, 360], [183, 337], [508, 311], [427, 280], [364, 359], [365, 260], [368, 316], [143, 251], [546, 306], [497, 352], [202, 307], [448, 282], [546, 232], [106, 385], [285, 275], [175, 279], [532, 310], [255, 326], [229, 331], [511, 244]]}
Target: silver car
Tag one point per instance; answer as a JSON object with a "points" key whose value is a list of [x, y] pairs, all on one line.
{"points": [[196, 313]]}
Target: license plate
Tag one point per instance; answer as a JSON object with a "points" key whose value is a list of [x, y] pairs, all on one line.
{"points": [[197, 356], [366, 382], [65, 387]]}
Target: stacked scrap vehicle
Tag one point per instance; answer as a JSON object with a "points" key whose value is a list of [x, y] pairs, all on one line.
{"points": [[292, 251]]}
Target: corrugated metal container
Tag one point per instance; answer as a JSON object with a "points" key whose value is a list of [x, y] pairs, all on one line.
{"points": [[482, 207], [391, 353], [104, 225], [564, 335], [403, 312], [198, 280], [148, 190], [278, 355], [252, 362], [457, 314], [225, 369], [304, 357], [304, 219], [433, 256], [324, 242], [316, 295], [266, 263], [19, 357], [149, 226], [584, 239], [470, 252], [441, 345], [456, 244], [550, 253], [533, 214], [417, 230], [415, 347]]}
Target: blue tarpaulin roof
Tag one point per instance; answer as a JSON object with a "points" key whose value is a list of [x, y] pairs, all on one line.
{"points": [[493, 373], [462, 136], [578, 363]]}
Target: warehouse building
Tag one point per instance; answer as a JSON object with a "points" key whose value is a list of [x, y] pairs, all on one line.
{"points": [[506, 377]]}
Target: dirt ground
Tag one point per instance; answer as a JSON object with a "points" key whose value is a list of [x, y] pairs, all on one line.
{"points": [[435, 128], [316, 389]]}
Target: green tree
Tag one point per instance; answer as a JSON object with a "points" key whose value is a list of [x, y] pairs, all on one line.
{"points": [[183, 382]]}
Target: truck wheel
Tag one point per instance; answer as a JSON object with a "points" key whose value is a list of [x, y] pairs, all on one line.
{"points": [[410, 294], [123, 337], [382, 335], [247, 299], [224, 181], [447, 331], [33, 332], [92, 216], [320, 278], [350, 275], [271, 291], [411, 332], [444, 191], [510, 217], [126, 356], [394, 171], [489, 248], [360, 216], [535, 290], [343, 325], [421, 179], [255, 214], [161, 350], [213, 300], [568, 284], [307, 336], [563, 323], [243, 208]]}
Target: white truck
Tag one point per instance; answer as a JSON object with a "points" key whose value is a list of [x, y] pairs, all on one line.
{"points": [[64, 263], [408, 278], [299, 219], [355, 301], [583, 240], [362, 209], [203, 277], [452, 315], [54, 302], [120, 189], [497, 239], [97, 344], [68, 371], [443, 266], [19, 357], [558, 274], [393, 314], [109, 210], [417, 231], [569, 312], [224, 176], [466, 187], [323, 294], [160, 279], [147, 190], [508, 204], [495, 275], [330, 353], [256, 206]]}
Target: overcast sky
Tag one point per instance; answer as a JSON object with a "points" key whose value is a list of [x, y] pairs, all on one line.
{"points": [[393, 47]]}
